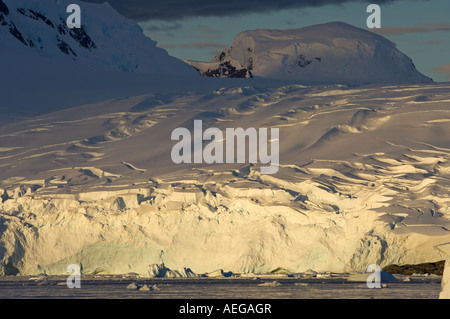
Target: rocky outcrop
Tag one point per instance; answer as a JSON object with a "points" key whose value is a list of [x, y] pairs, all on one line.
{"points": [[225, 69], [3, 8], [435, 268]]}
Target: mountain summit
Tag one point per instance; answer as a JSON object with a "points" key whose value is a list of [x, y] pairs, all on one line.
{"points": [[334, 52]]}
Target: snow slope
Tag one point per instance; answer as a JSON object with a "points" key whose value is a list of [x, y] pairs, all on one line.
{"points": [[333, 52], [363, 179]]}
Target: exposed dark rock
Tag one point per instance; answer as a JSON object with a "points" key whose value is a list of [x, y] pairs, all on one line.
{"points": [[65, 48], [3, 8], [62, 27], [35, 16], [4, 197], [80, 35], [250, 64], [226, 70], [303, 61], [43, 18], [436, 268], [13, 30], [2, 20]]}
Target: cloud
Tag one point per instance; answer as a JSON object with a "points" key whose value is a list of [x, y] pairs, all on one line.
{"points": [[196, 45], [207, 30], [421, 28], [289, 22], [443, 69], [160, 28], [142, 10], [208, 33], [432, 42]]}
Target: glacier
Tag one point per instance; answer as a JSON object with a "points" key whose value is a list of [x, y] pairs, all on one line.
{"points": [[363, 179]]}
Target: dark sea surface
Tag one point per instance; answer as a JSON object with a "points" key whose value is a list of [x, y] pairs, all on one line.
{"points": [[224, 288]]}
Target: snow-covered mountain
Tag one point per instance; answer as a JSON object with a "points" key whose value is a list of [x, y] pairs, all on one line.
{"points": [[333, 53], [46, 66], [38, 30]]}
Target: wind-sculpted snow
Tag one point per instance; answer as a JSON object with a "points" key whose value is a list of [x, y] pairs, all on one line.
{"points": [[363, 179]]}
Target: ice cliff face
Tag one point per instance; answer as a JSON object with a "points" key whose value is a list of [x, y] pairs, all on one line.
{"points": [[332, 53], [37, 31]]}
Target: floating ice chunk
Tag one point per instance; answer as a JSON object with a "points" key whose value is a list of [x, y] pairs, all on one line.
{"points": [[145, 287], [218, 273], [270, 284], [161, 271], [310, 272], [133, 286]]}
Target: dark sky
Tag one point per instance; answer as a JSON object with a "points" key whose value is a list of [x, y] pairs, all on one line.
{"points": [[141, 10]]}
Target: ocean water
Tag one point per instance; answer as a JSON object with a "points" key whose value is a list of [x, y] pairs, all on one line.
{"points": [[227, 288]]}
